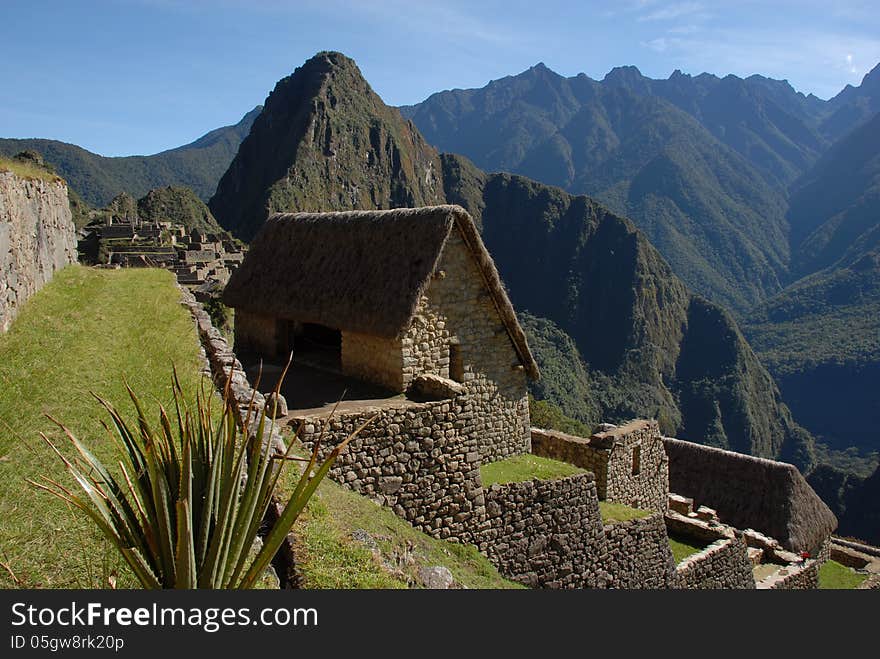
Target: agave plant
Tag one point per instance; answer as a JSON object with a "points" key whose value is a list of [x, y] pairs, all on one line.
{"points": [[186, 507]]}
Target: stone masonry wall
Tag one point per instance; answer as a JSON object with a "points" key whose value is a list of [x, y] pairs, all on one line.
{"points": [[723, 564], [373, 359], [574, 450], [257, 334], [793, 577], [638, 554], [222, 366], [420, 459], [610, 455], [458, 309], [642, 481], [546, 534], [37, 237]]}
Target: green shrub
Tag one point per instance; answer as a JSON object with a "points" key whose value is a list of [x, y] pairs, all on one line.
{"points": [[187, 507]]}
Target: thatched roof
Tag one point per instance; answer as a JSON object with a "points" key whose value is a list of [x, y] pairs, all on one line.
{"points": [[359, 271], [748, 492]]}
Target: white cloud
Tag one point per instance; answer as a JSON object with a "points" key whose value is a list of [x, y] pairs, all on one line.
{"points": [[658, 45], [813, 61], [684, 29], [672, 11]]}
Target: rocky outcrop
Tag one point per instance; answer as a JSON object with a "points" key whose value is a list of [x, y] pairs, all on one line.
{"points": [[37, 237]]}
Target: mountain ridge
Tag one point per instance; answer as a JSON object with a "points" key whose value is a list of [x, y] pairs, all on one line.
{"points": [[98, 179]]}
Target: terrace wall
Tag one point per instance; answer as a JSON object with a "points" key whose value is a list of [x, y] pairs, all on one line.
{"points": [[546, 534], [637, 553], [37, 237], [723, 564], [420, 459]]}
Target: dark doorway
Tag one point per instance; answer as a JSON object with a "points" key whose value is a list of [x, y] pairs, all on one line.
{"points": [[315, 345]]}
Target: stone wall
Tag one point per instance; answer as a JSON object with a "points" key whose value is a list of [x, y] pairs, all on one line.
{"points": [[420, 459], [578, 451], [37, 237], [546, 534], [793, 577], [637, 553], [749, 492], [723, 564], [629, 462], [373, 359], [221, 365], [638, 471], [457, 309]]}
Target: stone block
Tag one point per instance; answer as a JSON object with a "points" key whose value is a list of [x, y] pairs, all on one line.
{"points": [[390, 484], [707, 514], [276, 405], [680, 504]]}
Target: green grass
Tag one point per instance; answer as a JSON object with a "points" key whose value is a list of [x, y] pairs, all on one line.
{"points": [[329, 557], [681, 549], [26, 170], [834, 576], [525, 467], [82, 332], [617, 512]]}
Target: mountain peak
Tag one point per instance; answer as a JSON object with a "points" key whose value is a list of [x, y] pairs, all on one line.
{"points": [[628, 77], [325, 141]]}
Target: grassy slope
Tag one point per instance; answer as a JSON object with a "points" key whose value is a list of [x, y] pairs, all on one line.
{"points": [[330, 556], [834, 576], [83, 332]]}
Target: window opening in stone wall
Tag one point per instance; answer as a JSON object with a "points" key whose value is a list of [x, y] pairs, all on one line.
{"points": [[637, 459], [456, 363]]}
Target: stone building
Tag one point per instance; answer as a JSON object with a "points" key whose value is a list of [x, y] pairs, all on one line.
{"points": [[629, 461], [408, 300]]}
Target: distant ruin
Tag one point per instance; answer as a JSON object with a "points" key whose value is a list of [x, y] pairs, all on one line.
{"points": [[194, 256]]}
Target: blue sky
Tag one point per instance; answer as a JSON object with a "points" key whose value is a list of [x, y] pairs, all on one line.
{"points": [[139, 76]]}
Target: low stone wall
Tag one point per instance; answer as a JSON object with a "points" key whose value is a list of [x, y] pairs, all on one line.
{"points": [[848, 557], [220, 365], [723, 564], [223, 368], [637, 554], [629, 461], [578, 451], [420, 459], [546, 534], [793, 577]]}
